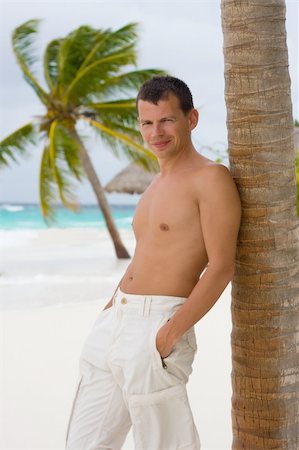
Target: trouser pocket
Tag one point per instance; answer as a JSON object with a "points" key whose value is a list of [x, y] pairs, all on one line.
{"points": [[163, 420], [178, 364], [155, 355]]}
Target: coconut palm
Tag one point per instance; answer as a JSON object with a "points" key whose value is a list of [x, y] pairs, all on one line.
{"points": [[89, 78], [265, 295]]}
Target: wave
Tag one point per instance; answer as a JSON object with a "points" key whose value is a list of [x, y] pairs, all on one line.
{"points": [[12, 208]]}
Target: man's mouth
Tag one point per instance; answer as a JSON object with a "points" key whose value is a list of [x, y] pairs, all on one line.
{"points": [[160, 144]]}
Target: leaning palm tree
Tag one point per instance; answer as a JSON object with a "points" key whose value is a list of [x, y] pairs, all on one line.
{"points": [[89, 78], [265, 288]]}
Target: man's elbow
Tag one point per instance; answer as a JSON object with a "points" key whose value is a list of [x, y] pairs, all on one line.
{"points": [[223, 270]]}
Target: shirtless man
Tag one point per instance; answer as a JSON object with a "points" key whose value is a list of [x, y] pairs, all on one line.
{"points": [[137, 360]]}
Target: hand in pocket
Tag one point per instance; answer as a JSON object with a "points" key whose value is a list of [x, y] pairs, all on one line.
{"points": [[163, 343]]}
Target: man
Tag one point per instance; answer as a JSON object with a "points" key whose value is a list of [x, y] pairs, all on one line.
{"points": [[138, 357]]}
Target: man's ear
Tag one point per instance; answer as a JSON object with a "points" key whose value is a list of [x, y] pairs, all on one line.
{"points": [[193, 118]]}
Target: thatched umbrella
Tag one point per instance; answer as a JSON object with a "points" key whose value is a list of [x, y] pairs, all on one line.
{"points": [[131, 180]]}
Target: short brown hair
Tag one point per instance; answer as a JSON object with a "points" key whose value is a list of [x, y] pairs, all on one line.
{"points": [[158, 88]]}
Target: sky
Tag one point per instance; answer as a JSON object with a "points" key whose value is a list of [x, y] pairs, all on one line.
{"points": [[182, 37]]}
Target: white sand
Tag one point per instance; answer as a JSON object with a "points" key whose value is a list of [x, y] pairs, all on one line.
{"points": [[52, 285]]}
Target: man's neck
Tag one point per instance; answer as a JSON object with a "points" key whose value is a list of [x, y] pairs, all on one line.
{"points": [[177, 162]]}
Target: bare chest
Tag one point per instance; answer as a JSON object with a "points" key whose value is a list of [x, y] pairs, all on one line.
{"points": [[166, 212]]}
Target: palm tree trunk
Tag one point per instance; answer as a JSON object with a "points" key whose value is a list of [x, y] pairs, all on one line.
{"points": [[120, 249], [265, 294]]}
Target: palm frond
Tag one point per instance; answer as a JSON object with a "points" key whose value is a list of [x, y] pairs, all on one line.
{"points": [[125, 126], [23, 39], [47, 187], [119, 111], [119, 115], [119, 39], [121, 143], [94, 74], [121, 137], [95, 89], [85, 46], [60, 168], [122, 150], [17, 143], [124, 83], [127, 103], [72, 53], [69, 149], [51, 62], [111, 42], [132, 132]]}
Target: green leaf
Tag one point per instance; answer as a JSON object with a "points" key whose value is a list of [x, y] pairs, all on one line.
{"points": [[86, 72], [47, 187], [124, 151], [122, 143], [125, 83], [51, 62], [74, 49], [121, 112], [69, 150], [111, 42], [17, 143], [60, 167], [121, 137], [23, 39], [86, 46], [127, 104], [93, 75]]}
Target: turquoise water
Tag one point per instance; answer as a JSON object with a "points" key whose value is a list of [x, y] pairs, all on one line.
{"points": [[20, 216]]}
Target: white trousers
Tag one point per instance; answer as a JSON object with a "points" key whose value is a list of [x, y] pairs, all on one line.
{"points": [[124, 382]]}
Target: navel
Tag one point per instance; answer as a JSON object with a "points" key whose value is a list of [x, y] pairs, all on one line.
{"points": [[164, 227]]}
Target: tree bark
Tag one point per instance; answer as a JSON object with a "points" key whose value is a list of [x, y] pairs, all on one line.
{"points": [[98, 189], [265, 288]]}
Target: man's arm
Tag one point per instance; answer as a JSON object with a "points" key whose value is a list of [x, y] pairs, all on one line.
{"points": [[220, 216], [109, 304]]}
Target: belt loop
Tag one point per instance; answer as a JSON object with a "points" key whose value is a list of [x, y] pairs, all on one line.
{"points": [[147, 306]]}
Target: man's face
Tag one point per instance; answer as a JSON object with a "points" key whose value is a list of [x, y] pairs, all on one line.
{"points": [[164, 127]]}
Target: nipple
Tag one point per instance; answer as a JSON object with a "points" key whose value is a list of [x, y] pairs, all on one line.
{"points": [[164, 227]]}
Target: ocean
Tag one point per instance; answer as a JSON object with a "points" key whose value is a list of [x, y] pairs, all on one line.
{"points": [[29, 217]]}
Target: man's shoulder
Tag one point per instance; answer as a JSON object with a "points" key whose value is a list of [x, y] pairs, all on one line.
{"points": [[207, 170], [211, 179]]}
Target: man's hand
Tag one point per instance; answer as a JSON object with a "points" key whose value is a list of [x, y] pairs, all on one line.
{"points": [[164, 341], [109, 304]]}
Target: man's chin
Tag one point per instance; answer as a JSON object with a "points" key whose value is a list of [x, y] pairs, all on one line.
{"points": [[160, 153]]}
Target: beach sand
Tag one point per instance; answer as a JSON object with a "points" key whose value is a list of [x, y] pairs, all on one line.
{"points": [[53, 283]]}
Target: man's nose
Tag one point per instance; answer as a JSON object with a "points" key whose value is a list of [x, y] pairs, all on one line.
{"points": [[158, 129]]}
